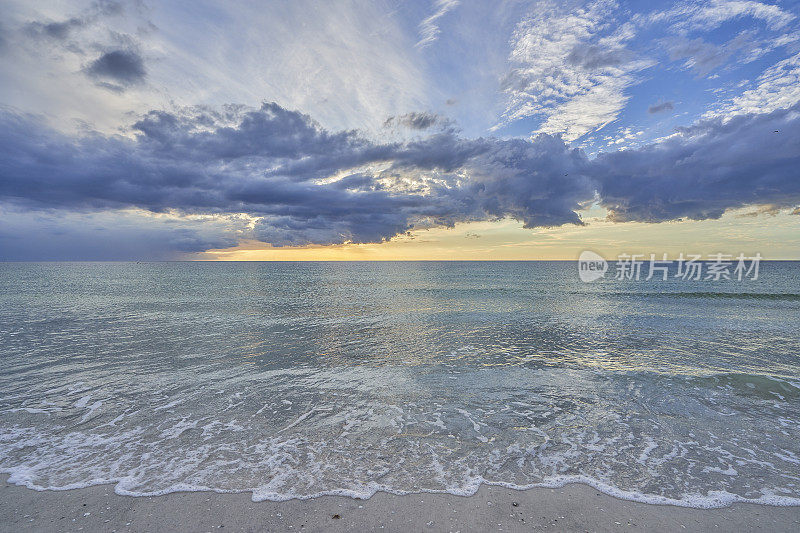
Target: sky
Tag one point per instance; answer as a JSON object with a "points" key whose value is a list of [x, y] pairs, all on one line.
{"points": [[433, 129]]}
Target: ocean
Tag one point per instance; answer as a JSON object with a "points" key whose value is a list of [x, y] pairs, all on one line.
{"points": [[294, 380]]}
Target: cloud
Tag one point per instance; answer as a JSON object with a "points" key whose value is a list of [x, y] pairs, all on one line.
{"points": [[660, 107], [61, 60], [700, 56], [766, 209], [118, 69], [593, 56], [706, 169], [326, 229], [568, 69], [686, 19], [63, 29], [296, 183], [778, 87], [429, 28], [705, 15], [305, 184], [416, 120], [704, 57], [351, 64], [121, 235], [708, 15], [56, 30]]}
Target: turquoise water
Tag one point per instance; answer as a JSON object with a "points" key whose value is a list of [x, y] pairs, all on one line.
{"points": [[301, 379]]}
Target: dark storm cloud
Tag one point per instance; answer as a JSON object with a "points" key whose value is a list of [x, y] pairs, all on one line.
{"points": [[58, 235], [326, 229], [266, 162], [706, 169], [313, 186], [118, 69], [238, 133], [660, 107]]}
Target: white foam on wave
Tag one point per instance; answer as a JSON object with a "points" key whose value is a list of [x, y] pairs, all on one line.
{"points": [[303, 417], [23, 476], [292, 480], [293, 468], [81, 403], [91, 409], [168, 405]]}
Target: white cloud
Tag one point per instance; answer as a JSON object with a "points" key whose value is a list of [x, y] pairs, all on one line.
{"points": [[778, 87], [712, 14], [351, 64], [707, 15], [429, 27], [50, 50], [688, 19], [569, 68]]}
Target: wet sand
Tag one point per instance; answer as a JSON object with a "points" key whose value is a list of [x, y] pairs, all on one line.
{"points": [[571, 508]]}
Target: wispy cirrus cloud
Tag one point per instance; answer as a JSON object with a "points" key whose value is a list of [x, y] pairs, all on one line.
{"points": [[701, 56], [429, 27], [691, 22], [61, 30], [778, 87], [708, 15], [570, 69], [351, 64]]}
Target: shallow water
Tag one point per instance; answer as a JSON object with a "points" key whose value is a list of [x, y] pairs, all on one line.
{"points": [[300, 379]]}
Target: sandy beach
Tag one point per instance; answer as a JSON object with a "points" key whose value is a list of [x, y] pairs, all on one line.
{"points": [[571, 508]]}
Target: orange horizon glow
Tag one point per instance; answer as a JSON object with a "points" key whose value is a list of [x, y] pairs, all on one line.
{"points": [[774, 236]]}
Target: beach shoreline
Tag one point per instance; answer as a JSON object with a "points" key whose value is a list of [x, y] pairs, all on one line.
{"points": [[574, 507]]}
